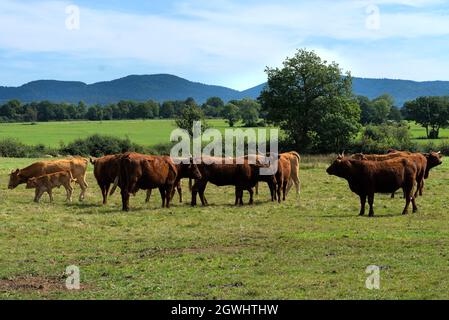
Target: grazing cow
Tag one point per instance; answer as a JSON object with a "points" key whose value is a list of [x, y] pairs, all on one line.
{"points": [[76, 166], [139, 171], [367, 177], [50, 181], [243, 176]]}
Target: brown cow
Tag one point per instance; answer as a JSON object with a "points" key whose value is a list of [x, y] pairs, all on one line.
{"points": [[419, 160], [76, 166], [243, 176], [106, 170], [48, 182], [295, 160], [139, 171], [425, 162], [367, 177]]}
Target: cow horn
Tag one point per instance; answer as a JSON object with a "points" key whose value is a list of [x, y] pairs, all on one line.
{"points": [[439, 152]]}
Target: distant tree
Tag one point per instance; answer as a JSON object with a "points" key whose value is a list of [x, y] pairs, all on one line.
{"points": [[249, 112], [312, 101], [9, 109], [81, 110], [189, 115], [154, 108], [231, 113], [215, 102], [167, 110], [376, 111], [395, 114], [432, 113]]}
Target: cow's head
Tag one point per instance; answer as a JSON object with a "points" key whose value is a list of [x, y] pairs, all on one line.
{"points": [[192, 170], [434, 159], [15, 179], [31, 183], [338, 167]]}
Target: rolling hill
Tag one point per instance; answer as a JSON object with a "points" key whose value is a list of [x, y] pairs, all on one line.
{"points": [[161, 87]]}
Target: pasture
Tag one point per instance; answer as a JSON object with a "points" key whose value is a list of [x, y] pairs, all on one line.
{"points": [[315, 248], [144, 132]]}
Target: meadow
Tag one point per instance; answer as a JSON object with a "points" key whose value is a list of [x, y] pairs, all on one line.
{"points": [[315, 247], [144, 132]]}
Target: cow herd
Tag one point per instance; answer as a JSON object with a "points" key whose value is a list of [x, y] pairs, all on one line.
{"points": [[131, 172]]}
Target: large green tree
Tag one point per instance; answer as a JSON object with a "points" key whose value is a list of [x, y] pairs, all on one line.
{"points": [[430, 112], [312, 101]]}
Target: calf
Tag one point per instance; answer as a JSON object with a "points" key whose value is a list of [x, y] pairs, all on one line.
{"points": [[367, 177], [48, 182], [76, 166]]}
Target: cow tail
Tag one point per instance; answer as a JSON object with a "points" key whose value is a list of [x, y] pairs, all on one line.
{"points": [[296, 154], [121, 178]]}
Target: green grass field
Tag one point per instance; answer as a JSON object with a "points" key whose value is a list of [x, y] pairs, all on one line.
{"points": [[315, 248], [144, 132]]}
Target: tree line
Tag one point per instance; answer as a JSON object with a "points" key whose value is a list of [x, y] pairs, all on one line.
{"points": [[246, 110]]}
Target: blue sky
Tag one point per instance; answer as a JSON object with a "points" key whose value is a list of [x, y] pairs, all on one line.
{"points": [[224, 42]]}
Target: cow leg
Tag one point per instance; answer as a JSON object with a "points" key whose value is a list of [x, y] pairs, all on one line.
{"points": [[194, 194], [69, 190], [278, 191], [169, 192], [251, 196], [125, 200], [421, 188], [257, 188], [408, 197], [38, 194], [179, 188], [50, 194], [149, 191], [362, 204], [393, 195], [371, 204], [83, 184], [284, 190], [202, 196], [104, 192], [163, 196]]}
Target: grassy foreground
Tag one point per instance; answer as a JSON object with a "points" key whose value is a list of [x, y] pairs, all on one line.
{"points": [[315, 248]]}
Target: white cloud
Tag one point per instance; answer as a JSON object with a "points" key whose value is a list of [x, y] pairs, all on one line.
{"points": [[224, 38]]}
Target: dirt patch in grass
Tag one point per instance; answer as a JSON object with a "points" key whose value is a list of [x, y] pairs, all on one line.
{"points": [[33, 283]]}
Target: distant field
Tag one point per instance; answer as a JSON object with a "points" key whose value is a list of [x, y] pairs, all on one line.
{"points": [[419, 134], [144, 132], [315, 248]]}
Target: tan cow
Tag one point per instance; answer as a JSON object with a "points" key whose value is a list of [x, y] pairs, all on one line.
{"points": [[48, 182], [76, 166], [295, 160]]}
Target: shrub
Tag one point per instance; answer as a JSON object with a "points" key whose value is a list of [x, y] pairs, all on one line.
{"points": [[99, 145], [379, 139], [13, 148]]}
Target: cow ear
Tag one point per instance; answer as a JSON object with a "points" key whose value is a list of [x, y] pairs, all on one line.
{"points": [[15, 172]]}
